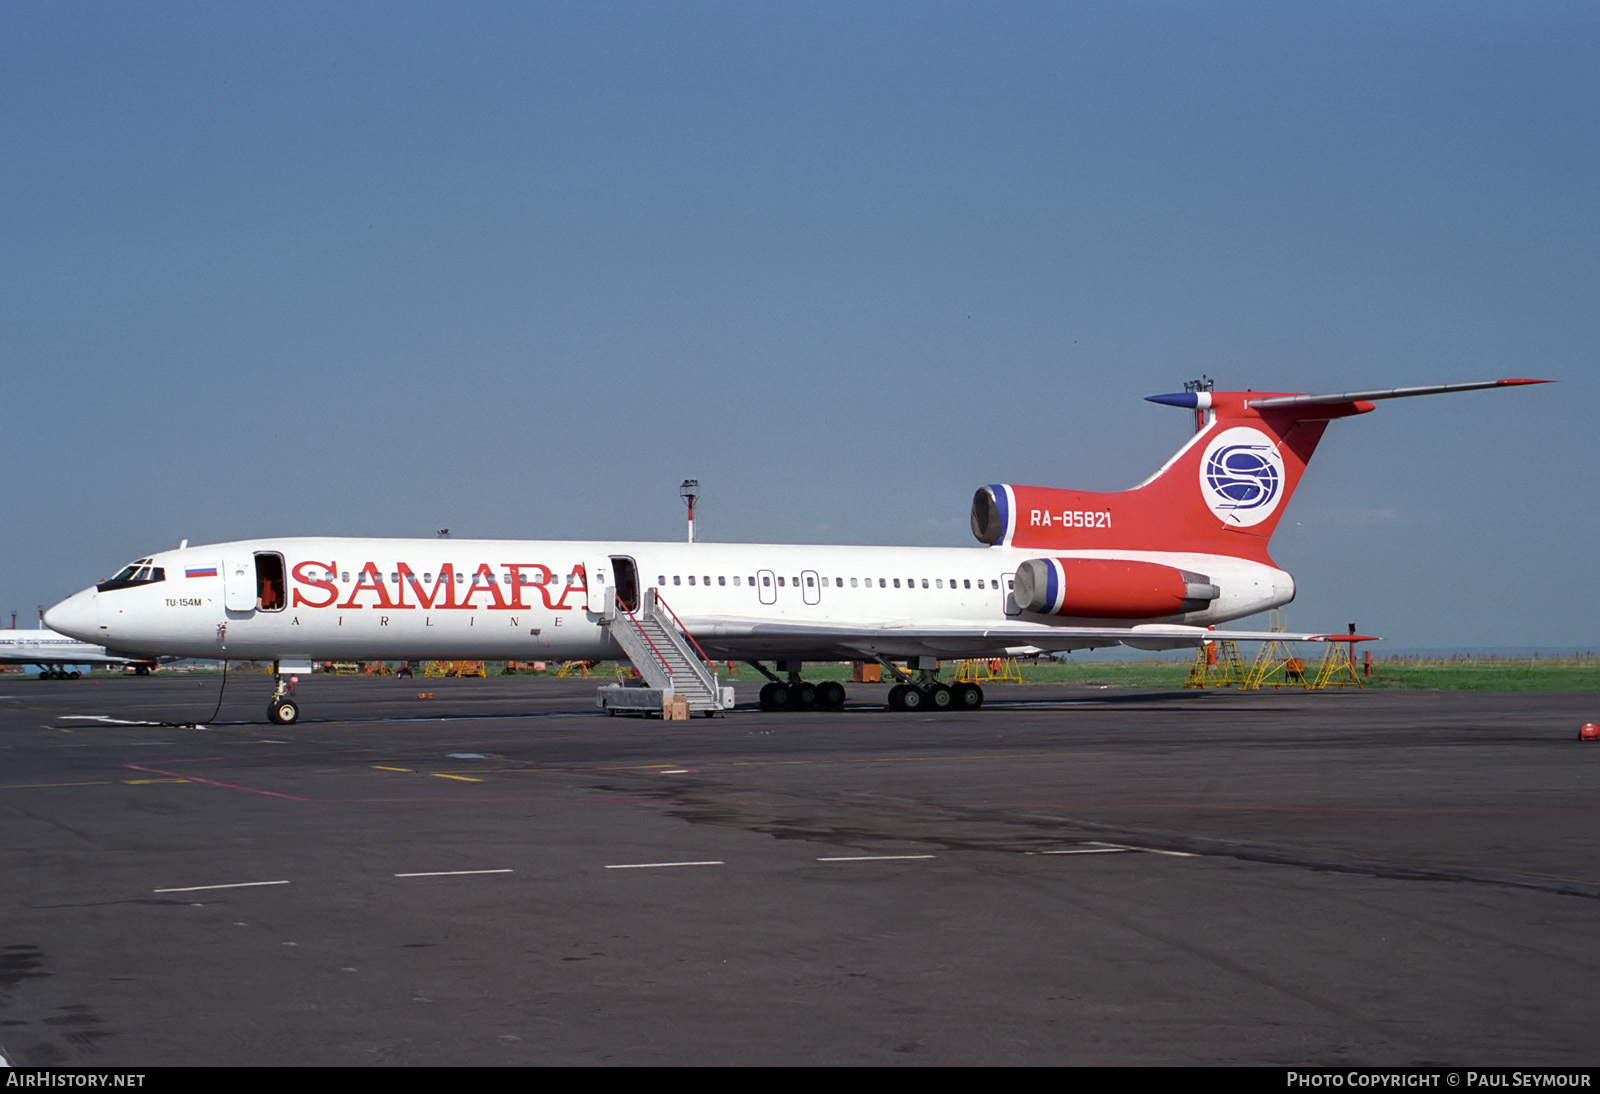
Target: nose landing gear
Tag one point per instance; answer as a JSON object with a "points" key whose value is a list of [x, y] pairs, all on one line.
{"points": [[283, 710]]}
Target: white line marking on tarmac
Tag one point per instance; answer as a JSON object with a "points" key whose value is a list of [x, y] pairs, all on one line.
{"points": [[870, 858], [1088, 851], [658, 865], [1099, 847], [105, 718], [234, 885], [1145, 850], [454, 873]]}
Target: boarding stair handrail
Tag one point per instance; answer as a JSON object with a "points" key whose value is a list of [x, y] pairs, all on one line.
{"points": [[712, 665], [660, 657], [706, 671]]}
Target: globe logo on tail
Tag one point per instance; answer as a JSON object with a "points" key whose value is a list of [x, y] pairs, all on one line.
{"points": [[1241, 476]]}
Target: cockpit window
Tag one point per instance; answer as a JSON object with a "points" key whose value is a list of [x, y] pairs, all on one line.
{"points": [[138, 572]]}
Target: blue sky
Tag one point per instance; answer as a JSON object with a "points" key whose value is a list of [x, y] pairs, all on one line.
{"points": [[517, 269]]}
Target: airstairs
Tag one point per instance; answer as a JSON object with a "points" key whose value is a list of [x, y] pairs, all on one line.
{"points": [[669, 662]]}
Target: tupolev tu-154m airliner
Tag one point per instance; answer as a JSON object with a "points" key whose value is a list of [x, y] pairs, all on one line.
{"points": [[1154, 567]]}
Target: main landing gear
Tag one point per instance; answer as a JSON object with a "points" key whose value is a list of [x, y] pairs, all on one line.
{"points": [[795, 693], [58, 673], [935, 696], [925, 694]]}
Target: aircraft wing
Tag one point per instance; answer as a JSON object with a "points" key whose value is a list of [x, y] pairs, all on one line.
{"points": [[738, 639], [64, 657], [45, 648]]}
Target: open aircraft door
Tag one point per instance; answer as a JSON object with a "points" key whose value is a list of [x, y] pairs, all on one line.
{"points": [[1008, 584], [625, 576], [239, 584], [598, 578]]}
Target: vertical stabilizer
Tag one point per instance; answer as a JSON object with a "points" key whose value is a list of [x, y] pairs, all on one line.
{"points": [[1222, 493]]}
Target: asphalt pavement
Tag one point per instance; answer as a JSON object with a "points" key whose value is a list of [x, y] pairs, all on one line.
{"points": [[502, 875]]}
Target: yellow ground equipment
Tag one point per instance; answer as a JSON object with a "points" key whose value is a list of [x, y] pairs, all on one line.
{"points": [[1217, 665], [1003, 669], [454, 668]]}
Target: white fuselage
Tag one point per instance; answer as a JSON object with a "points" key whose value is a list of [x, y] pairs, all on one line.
{"points": [[514, 599]]}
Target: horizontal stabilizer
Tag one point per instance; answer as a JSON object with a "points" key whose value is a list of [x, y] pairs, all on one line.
{"points": [[1205, 400], [1276, 401]]}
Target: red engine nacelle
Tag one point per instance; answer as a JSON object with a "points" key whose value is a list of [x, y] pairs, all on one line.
{"points": [[1107, 588]]}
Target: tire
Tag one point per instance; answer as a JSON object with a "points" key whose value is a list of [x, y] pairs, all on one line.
{"points": [[912, 700], [967, 696], [830, 695], [283, 712], [939, 697]]}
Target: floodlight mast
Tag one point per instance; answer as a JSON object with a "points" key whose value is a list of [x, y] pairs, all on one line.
{"points": [[689, 491]]}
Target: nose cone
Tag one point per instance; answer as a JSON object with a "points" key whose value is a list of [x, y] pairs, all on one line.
{"points": [[78, 616]]}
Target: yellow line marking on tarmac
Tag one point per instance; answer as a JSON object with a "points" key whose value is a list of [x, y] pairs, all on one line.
{"points": [[678, 768], [910, 759], [546, 769], [41, 786]]}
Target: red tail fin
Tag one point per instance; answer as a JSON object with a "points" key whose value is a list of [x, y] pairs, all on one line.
{"points": [[1223, 493]]}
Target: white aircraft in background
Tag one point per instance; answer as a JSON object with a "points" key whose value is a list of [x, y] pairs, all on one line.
{"points": [[1155, 567], [55, 654]]}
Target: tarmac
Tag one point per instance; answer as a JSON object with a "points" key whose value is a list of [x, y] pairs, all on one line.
{"points": [[501, 875]]}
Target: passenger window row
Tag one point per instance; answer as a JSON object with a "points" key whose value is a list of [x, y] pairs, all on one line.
{"points": [[838, 582]]}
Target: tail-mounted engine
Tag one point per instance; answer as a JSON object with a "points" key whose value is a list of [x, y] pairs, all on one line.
{"points": [[991, 514], [1101, 588]]}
